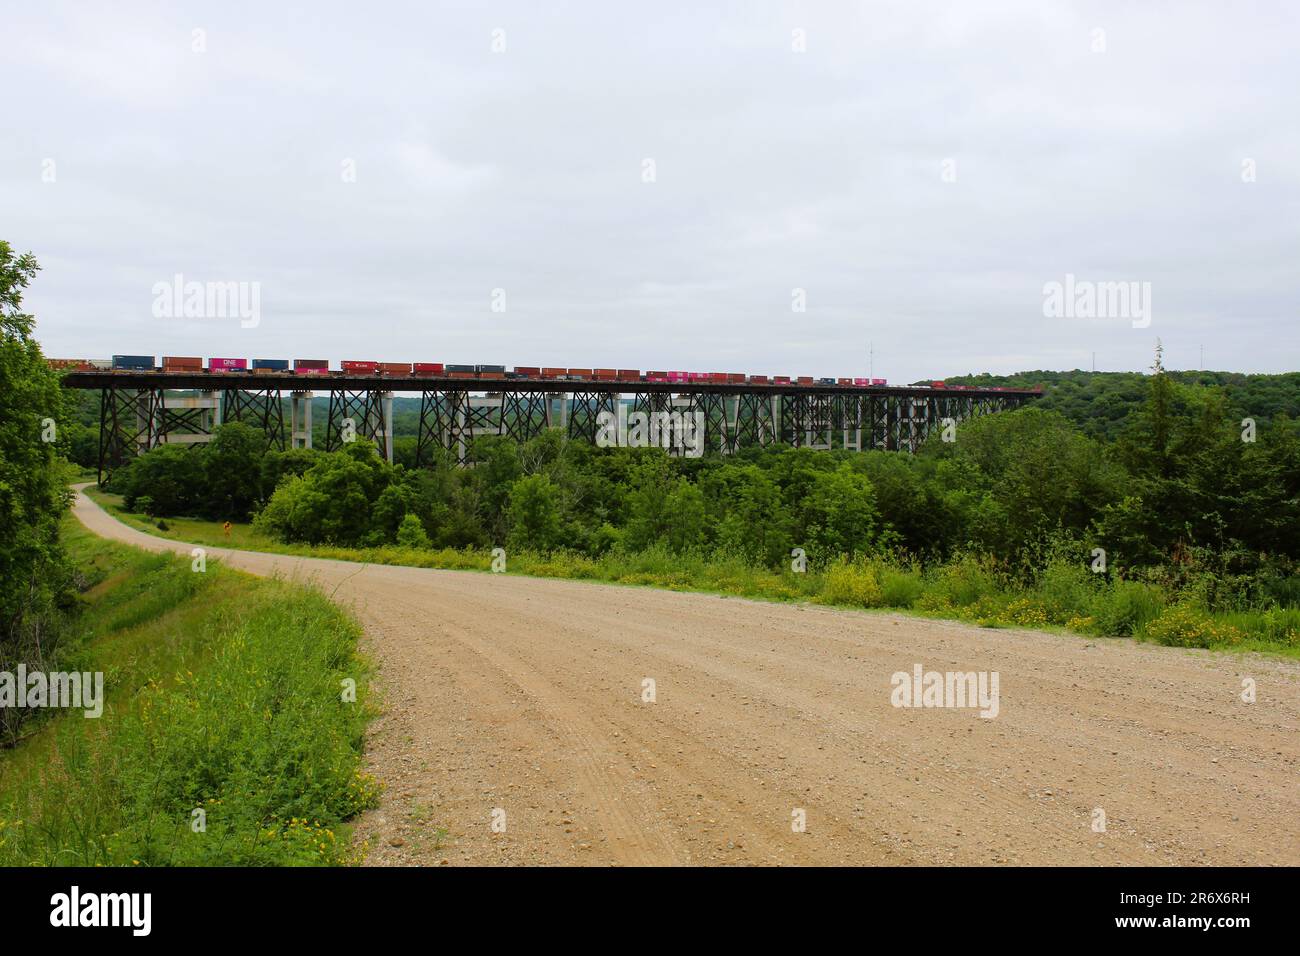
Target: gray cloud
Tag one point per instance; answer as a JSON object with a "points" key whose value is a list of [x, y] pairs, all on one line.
{"points": [[775, 170]]}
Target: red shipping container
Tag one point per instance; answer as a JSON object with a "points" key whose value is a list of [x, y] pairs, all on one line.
{"points": [[805, 380], [427, 369], [529, 370], [584, 372], [630, 374], [554, 372], [395, 368], [782, 380], [758, 379], [354, 366]]}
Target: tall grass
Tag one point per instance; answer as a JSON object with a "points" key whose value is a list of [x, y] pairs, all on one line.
{"points": [[224, 697]]}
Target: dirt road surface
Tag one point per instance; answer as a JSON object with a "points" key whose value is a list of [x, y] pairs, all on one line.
{"points": [[521, 701]]}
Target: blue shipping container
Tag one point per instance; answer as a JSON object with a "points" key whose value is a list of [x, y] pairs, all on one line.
{"points": [[135, 363], [278, 365]]}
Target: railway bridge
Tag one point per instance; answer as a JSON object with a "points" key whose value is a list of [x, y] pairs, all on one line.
{"points": [[141, 409]]}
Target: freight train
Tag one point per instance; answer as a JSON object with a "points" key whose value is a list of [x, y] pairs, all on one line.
{"points": [[192, 365]]}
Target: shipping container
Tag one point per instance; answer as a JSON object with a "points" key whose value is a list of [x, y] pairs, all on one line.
{"points": [[804, 380], [656, 376], [427, 369], [469, 374], [354, 367], [395, 368], [878, 381], [553, 372], [580, 373], [528, 371], [271, 365], [758, 379], [227, 365], [490, 369], [460, 368], [781, 379], [182, 363], [101, 363], [134, 363], [936, 384], [629, 374]]}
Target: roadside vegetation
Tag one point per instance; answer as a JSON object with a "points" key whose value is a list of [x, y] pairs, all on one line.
{"points": [[225, 736], [1184, 530], [223, 695]]}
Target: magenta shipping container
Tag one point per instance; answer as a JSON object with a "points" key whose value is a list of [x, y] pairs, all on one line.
{"points": [[228, 365]]}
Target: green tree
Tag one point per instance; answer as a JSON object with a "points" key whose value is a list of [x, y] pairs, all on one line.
{"points": [[534, 514], [232, 464], [34, 574]]}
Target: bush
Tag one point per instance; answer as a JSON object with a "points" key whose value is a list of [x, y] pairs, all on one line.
{"points": [[900, 587], [1065, 589], [411, 534], [1183, 626], [853, 582], [961, 583], [1126, 607]]}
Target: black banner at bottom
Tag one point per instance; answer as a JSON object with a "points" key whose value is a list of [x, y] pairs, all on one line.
{"points": [[335, 906]]}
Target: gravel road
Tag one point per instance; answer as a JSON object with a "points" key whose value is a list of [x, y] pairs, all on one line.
{"points": [[517, 731]]}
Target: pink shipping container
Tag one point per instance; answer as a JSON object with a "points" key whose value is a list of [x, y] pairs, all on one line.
{"points": [[227, 365], [878, 381]]}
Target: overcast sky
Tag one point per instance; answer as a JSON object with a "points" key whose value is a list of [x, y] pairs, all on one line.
{"points": [[919, 170]]}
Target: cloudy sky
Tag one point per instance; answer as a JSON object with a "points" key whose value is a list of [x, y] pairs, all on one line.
{"points": [[661, 185]]}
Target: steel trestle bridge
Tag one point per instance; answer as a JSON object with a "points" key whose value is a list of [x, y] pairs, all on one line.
{"points": [[140, 410]]}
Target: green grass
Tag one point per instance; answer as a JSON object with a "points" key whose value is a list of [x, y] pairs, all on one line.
{"points": [[1066, 596], [223, 695]]}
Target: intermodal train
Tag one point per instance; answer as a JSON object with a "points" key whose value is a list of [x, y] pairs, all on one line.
{"points": [[192, 365]]}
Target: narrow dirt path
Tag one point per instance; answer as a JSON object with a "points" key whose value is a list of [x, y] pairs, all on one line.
{"points": [[521, 700]]}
